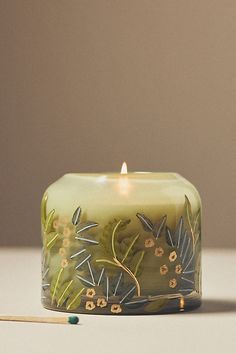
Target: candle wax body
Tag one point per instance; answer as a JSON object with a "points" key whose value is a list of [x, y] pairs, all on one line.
{"points": [[139, 233]]}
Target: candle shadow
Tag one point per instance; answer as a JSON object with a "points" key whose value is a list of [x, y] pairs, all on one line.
{"points": [[216, 306]]}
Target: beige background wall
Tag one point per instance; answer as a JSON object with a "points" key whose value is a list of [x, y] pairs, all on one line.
{"points": [[87, 84]]}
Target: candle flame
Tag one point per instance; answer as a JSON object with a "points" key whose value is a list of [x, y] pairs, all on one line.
{"points": [[123, 180], [124, 169]]}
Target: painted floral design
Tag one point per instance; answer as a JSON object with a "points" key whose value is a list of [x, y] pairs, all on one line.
{"points": [[112, 269], [90, 292], [101, 302], [55, 224], [62, 252], [89, 305], [172, 256], [64, 263], [172, 283], [178, 269], [163, 269], [116, 308], [149, 243], [67, 232], [66, 243], [159, 252]]}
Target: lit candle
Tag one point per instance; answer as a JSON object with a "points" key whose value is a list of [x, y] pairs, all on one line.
{"points": [[123, 180], [124, 169], [121, 243]]}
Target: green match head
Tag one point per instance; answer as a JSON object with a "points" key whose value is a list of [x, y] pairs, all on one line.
{"points": [[73, 319]]}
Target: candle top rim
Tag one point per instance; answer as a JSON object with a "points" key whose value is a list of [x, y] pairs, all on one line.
{"points": [[130, 175]]}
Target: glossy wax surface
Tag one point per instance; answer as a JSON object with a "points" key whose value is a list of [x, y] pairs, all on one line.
{"points": [[110, 194]]}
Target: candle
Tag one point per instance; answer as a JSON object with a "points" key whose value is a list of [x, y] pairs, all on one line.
{"points": [[121, 243]]}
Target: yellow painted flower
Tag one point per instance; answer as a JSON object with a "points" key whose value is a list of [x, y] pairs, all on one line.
{"points": [[178, 269], [172, 256], [149, 243], [66, 243], [67, 232], [55, 224], [159, 252], [101, 302], [116, 308], [62, 252], [63, 221], [90, 292], [172, 283], [64, 263], [163, 269], [89, 305]]}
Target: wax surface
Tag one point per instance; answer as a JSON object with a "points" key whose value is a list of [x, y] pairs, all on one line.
{"points": [[103, 196]]}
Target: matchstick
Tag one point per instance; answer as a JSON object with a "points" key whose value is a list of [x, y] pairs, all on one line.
{"points": [[57, 320]]}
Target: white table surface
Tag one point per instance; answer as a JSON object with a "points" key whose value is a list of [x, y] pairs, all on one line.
{"points": [[211, 329]]}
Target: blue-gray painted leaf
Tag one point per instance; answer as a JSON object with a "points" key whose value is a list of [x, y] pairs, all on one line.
{"points": [[76, 216], [159, 226], [85, 226], [146, 223]]}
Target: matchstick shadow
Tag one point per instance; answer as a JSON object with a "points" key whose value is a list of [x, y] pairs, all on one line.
{"points": [[216, 306]]}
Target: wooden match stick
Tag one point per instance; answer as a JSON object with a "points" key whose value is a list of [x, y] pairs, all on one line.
{"points": [[58, 320]]}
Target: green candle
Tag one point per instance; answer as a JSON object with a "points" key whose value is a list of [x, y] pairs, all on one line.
{"points": [[121, 243]]}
